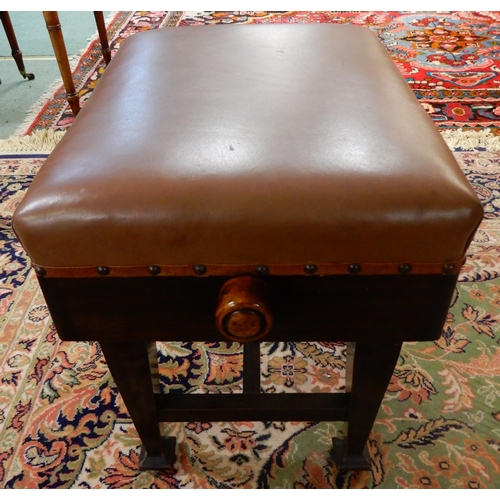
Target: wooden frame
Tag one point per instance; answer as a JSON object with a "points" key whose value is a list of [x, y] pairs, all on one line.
{"points": [[373, 314]]}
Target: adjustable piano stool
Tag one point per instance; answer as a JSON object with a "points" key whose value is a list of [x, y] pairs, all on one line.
{"points": [[250, 183]]}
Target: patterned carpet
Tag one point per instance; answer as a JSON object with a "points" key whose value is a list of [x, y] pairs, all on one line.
{"points": [[63, 424]]}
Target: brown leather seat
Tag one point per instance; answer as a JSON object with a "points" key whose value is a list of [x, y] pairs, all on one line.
{"points": [[278, 145]]}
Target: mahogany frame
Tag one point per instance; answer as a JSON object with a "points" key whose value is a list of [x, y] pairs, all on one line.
{"points": [[373, 314]]}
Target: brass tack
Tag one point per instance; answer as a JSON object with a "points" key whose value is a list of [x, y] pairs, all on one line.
{"points": [[262, 270], [102, 270], [404, 268], [40, 271], [354, 268], [154, 270], [310, 268], [199, 269], [448, 268]]}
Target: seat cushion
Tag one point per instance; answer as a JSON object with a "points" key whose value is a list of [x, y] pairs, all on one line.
{"points": [[277, 145]]}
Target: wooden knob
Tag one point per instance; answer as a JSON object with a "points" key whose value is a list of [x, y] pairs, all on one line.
{"points": [[242, 313]]}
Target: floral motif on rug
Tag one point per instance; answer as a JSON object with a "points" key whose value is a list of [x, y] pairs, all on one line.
{"points": [[450, 59]]}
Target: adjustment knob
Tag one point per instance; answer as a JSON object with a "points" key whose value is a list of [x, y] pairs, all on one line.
{"points": [[242, 313]]}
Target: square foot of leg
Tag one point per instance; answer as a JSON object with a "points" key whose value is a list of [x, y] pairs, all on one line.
{"points": [[159, 462], [349, 462]]}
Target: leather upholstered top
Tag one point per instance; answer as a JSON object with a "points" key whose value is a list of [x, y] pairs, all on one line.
{"points": [[244, 145]]}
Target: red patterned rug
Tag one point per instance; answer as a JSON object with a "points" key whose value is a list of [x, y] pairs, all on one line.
{"points": [[450, 59]]}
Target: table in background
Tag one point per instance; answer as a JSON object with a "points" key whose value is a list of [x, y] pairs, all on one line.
{"points": [[57, 39]]}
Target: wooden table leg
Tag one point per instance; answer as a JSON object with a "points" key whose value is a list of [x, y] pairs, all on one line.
{"points": [[129, 364], [373, 366], [56, 37], [16, 53], [103, 36]]}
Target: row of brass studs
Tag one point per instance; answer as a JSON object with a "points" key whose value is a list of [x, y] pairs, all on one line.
{"points": [[261, 270]]}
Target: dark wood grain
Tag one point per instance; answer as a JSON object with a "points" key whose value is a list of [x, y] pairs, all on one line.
{"points": [[343, 308], [129, 365], [373, 366], [377, 313], [262, 407], [251, 367]]}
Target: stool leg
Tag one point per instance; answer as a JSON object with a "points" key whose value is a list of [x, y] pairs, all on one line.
{"points": [[153, 367], [251, 367], [129, 364], [373, 366]]}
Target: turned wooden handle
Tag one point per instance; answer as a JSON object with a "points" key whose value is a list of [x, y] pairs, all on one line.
{"points": [[242, 313]]}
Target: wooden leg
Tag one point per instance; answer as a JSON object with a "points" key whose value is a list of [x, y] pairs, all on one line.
{"points": [[16, 53], [251, 367], [349, 365], [103, 36], [153, 367], [129, 364], [56, 37], [373, 366]]}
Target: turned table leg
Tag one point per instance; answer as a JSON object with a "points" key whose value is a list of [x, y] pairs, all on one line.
{"points": [[129, 364], [16, 53], [369, 373], [103, 36], [57, 40]]}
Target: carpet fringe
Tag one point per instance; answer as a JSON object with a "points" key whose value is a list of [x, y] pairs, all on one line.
{"points": [[40, 141], [46, 140], [468, 140], [35, 109], [75, 58]]}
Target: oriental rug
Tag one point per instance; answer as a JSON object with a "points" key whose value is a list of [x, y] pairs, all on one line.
{"points": [[64, 425], [449, 59]]}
